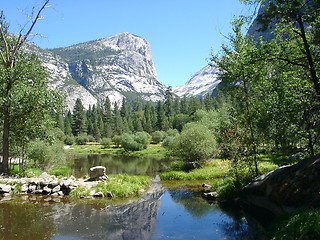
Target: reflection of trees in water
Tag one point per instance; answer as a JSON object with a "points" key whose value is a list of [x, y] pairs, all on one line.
{"points": [[117, 164], [241, 227], [25, 221], [234, 227], [192, 202]]}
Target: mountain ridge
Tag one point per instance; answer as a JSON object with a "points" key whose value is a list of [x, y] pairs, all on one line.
{"points": [[119, 66]]}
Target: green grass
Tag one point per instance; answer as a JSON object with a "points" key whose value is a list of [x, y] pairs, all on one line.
{"points": [[123, 186], [217, 174], [79, 192], [211, 170], [153, 150], [63, 171], [302, 225]]}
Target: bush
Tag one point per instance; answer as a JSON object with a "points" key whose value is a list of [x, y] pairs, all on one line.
{"points": [[168, 142], [135, 142], [45, 155], [90, 138], [172, 132], [69, 140], [142, 138], [117, 140], [129, 144], [106, 142], [195, 143], [82, 140], [157, 137]]}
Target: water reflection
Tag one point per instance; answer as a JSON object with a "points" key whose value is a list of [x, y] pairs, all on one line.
{"points": [[178, 214], [119, 164], [185, 215]]}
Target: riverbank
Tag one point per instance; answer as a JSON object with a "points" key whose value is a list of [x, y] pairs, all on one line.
{"points": [[116, 186]]}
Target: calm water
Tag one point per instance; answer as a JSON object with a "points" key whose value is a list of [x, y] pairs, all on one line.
{"points": [[165, 214], [162, 214], [147, 166]]}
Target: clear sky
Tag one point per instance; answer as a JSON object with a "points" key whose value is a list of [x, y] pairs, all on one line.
{"points": [[182, 33]]}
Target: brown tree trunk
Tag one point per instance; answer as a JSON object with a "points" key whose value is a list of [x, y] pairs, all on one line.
{"points": [[312, 69]]}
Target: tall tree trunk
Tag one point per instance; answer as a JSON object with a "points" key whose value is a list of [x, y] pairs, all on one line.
{"points": [[6, 128], [312, 69]]}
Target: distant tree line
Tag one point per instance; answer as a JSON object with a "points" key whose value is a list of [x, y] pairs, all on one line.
{"points": [[106, 121]]}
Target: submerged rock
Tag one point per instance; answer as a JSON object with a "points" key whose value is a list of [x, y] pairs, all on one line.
{"points": [[285, 189]]}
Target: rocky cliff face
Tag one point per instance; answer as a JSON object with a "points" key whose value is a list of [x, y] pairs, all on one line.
{"points": [[115, 67], [200, 84]]}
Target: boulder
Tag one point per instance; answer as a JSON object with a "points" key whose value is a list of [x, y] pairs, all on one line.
{"points": [[5, 188], [285, 189], [97, 173], [98, 195], [189, 166], [210, 195]]}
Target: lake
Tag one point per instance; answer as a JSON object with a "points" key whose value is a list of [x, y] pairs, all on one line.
{"points": [[163, 214], [147, 166]]}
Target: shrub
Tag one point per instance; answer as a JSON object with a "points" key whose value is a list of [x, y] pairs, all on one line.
{"points": [[168, 142], [172, 132], [45, 155], [195, 143], [129, 144], [69, 140], [142, 138], [90, 138], [117, 140], [106, 142], [82, 140], [157, 137]]}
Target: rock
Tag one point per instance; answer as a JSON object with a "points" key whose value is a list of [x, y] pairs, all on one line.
{"points": [[204, 185], [24, 188], [109, 195], [52, 184], [285, 189], [47, 190], [189, 166], [44, 175], [38, 191], [5, 188], [56, 189], [210, 195], [97, 172], [98, 194], [32, 188]]}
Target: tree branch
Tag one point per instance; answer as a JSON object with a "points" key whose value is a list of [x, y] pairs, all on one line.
{"points": [[23, 38], [5, 60]]}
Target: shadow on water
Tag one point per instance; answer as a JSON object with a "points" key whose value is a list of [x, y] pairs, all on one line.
{"points": [[161, 214], [130, 165]]}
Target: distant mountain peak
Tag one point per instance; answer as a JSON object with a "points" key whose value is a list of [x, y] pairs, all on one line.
{"points": [[200, 84], [119, 66]]}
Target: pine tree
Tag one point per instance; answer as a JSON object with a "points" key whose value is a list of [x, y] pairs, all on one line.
{"points": [[79, 119]]}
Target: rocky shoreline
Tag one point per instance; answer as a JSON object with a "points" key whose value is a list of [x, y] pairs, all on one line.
{"points": [[47, 184], [43, 185]]}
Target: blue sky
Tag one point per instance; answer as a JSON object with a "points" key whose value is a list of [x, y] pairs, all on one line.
{"points": [[182, 33]]}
